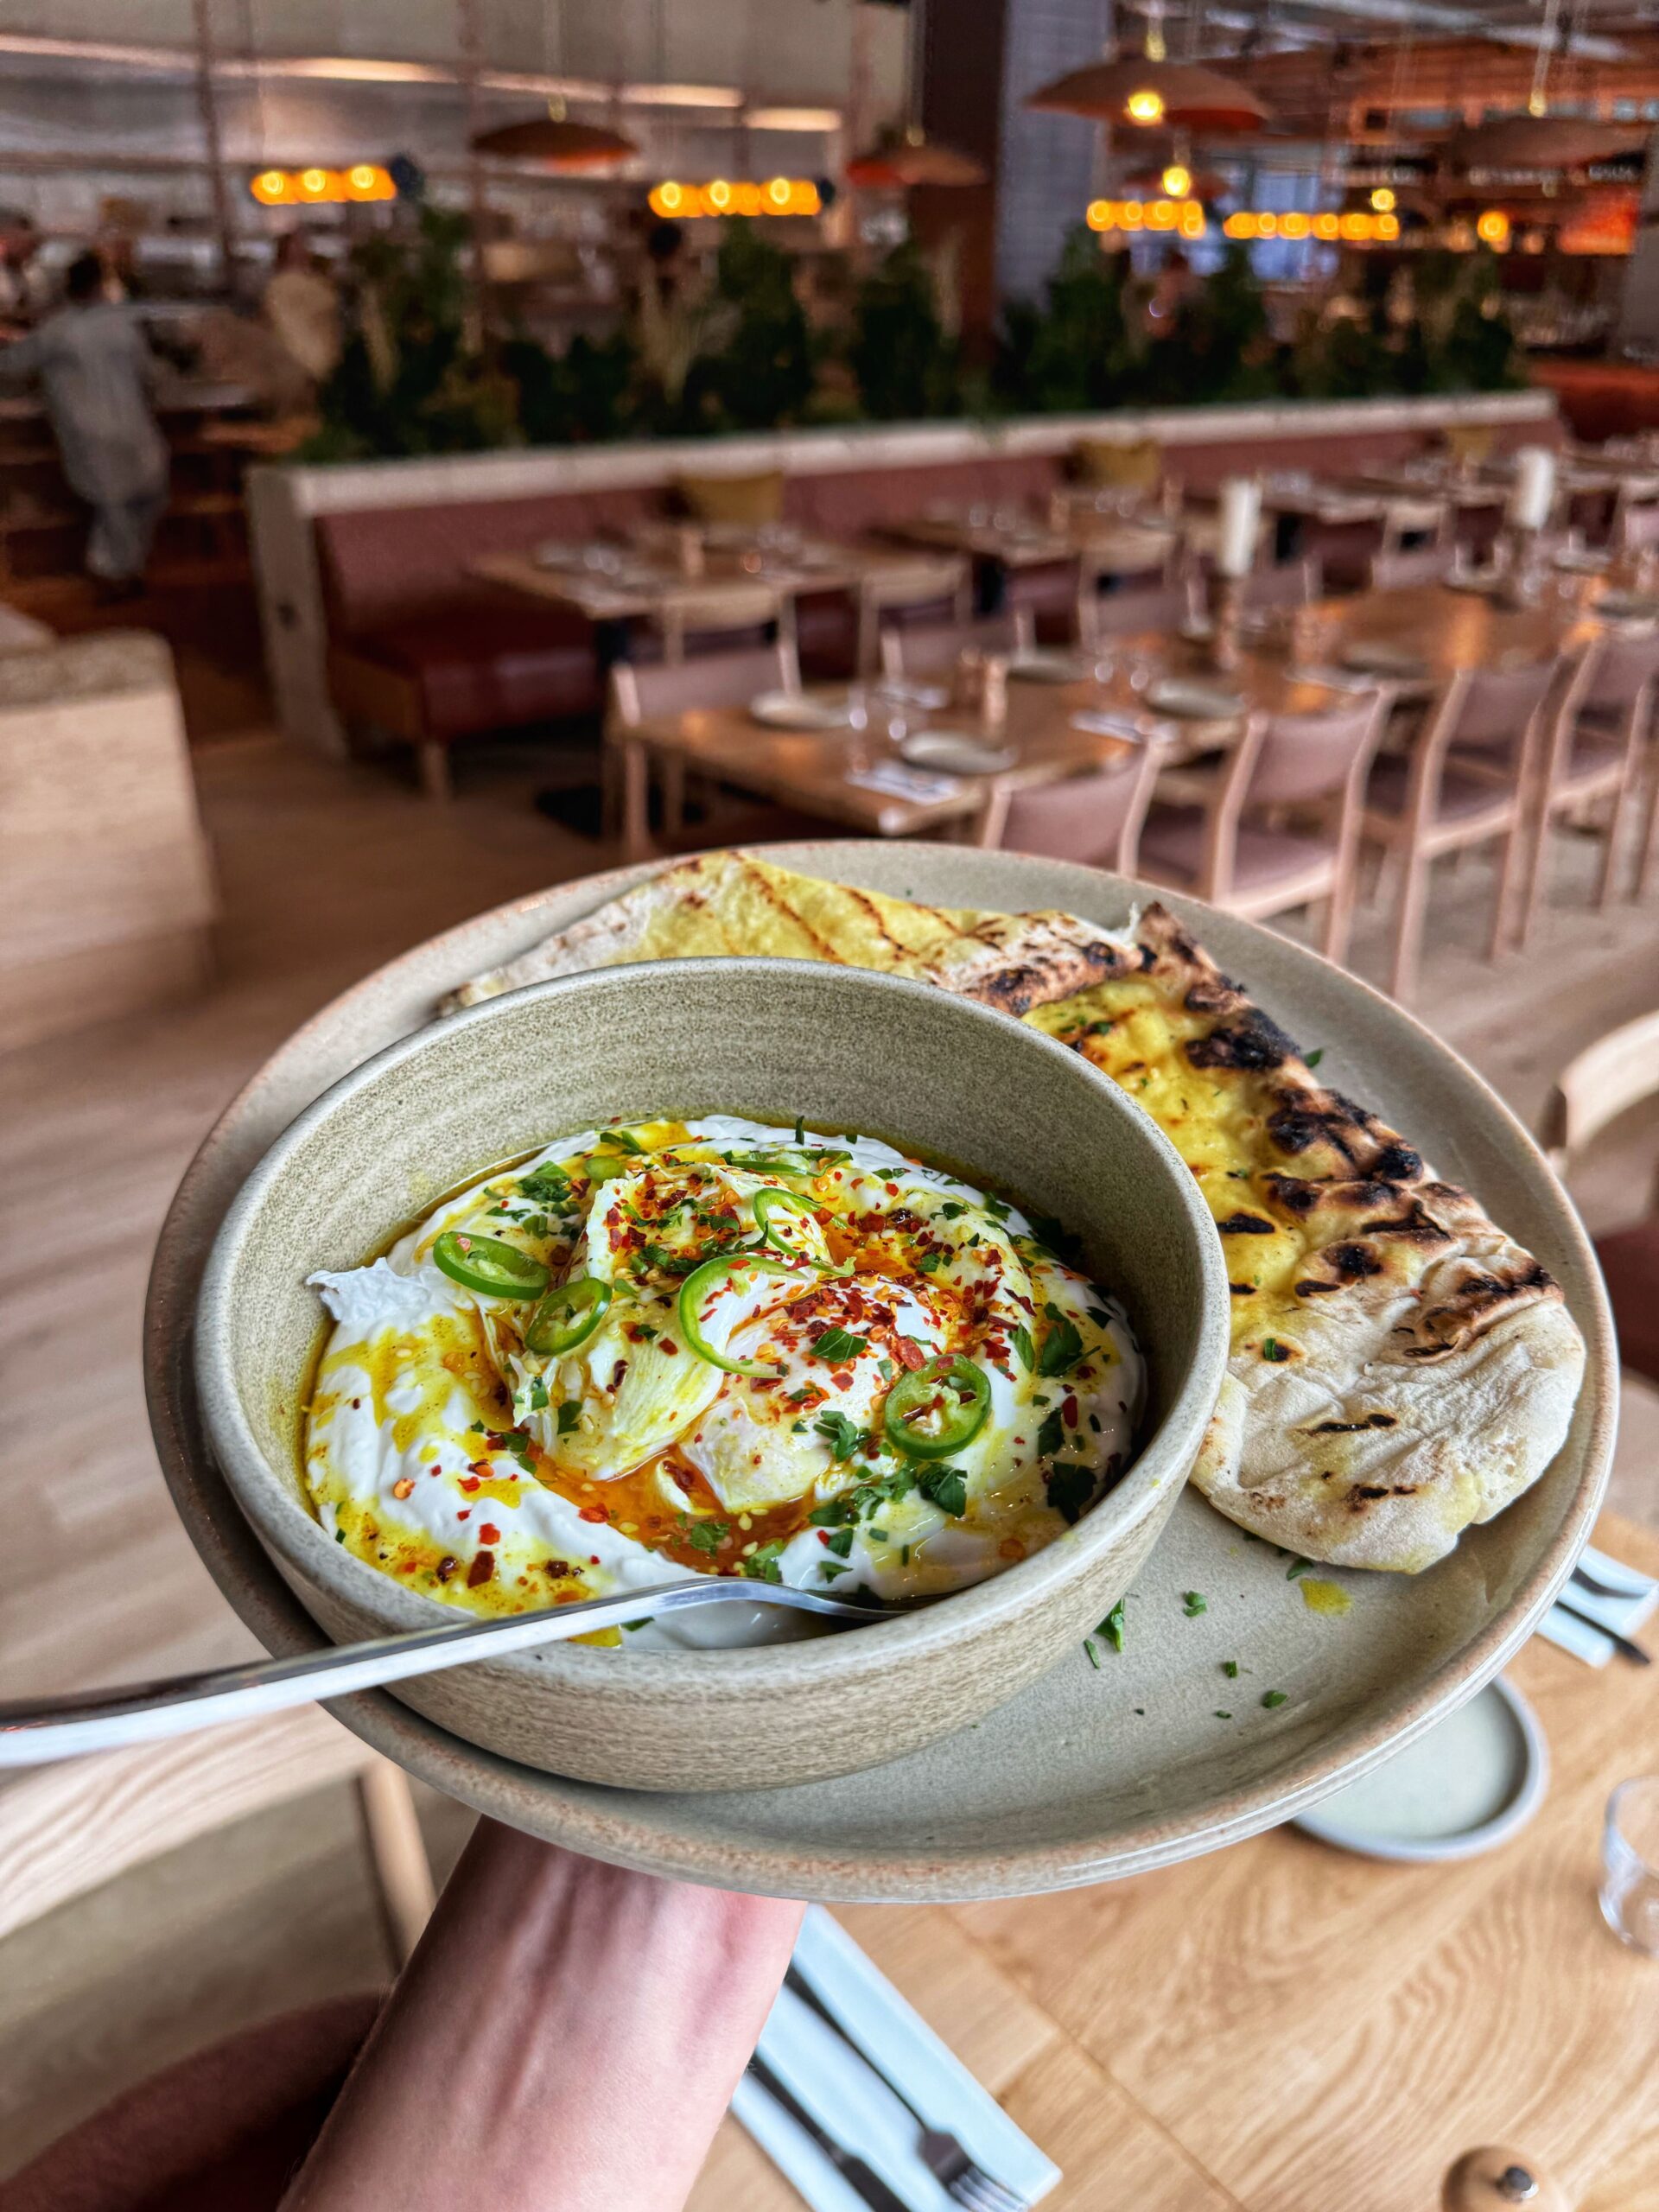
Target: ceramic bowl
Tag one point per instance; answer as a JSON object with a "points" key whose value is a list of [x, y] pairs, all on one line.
{"points": [[847, 1050]]}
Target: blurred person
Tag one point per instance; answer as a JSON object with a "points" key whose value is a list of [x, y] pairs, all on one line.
{"points": [[96, 372], [301, 306], [19, 242]]}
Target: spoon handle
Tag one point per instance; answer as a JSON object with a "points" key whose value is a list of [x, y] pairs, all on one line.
{"points": [[143, 1713]]}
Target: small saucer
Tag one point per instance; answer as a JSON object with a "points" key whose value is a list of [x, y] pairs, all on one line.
{"points": [[957, 751], [1463, 1787], [799, 710]]}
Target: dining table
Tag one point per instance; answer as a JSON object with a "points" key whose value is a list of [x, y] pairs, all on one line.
{"points": [[612, 583], [1069, 712]]}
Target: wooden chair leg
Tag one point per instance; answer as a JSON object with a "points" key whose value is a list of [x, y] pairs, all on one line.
{"points": [[1535, 870], [1411, 908], [1615, 838], [434, 762], [403, 1872], [673, 784], [1508, 881], [1647, 859], [1339, 916]]}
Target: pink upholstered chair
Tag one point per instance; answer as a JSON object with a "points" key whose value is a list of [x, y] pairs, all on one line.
{"points": [[1593, 757], [1413, 564], [934, 648], [1095, 819], [1464, 782], [1168, 607], [654, 691], [1279, 826], [1285, 583]]}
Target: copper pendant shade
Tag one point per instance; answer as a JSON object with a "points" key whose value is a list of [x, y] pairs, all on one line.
{"points": [[897, 163], [555, 143], [1182, 94], [1206, 185], [1540, 141]]}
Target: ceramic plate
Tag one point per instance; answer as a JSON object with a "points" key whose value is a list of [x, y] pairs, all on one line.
{"points": [[1038, 667], [1097, 1771], [1464, 1786], [1379, 657], [798, 711], [955, 750], [1204, 703], [1625, 606]]}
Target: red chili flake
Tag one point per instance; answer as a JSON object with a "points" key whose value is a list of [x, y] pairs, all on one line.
{"points": [[1068, 1410], [356, 1403], [892, 1190], [480, 1571], [593, 1558], [489, 1533], [669, 1346], [470, 1482], [404, 1566], [823, 1536], [596, 1512], [909, 1353], [465, 1513], [403, 1486]]}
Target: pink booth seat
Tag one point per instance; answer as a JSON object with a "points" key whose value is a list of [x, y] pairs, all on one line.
{"points": [[223, 2131]]}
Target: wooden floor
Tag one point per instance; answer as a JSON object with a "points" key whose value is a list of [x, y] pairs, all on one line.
{"points": [[327, 870]]}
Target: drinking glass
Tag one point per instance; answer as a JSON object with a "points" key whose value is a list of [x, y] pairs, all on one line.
{"points": [[1629, 1865]]}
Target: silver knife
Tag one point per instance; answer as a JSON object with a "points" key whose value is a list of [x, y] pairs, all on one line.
{"points": [[859, 2178]]}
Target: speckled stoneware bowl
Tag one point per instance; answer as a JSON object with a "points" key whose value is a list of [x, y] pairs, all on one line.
{"points": [[1091, 1773], [773, 1039]]}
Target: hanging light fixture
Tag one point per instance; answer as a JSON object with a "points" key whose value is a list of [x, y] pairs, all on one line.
{"points": [[906, 156], [1539, 143], [554, 141], [1183, 95]]}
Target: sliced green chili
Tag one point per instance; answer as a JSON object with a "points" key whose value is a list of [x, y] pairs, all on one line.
{"points": [[787, 1160], [567, 1316], [701, 1284], [489, 1265], [950, 1388], [768, 1203]]}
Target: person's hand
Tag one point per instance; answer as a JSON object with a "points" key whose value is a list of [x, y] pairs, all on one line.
{"points": [[567, 2034]]}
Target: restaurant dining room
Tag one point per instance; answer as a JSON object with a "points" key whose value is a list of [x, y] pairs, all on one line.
{"points": [[862, 795]]}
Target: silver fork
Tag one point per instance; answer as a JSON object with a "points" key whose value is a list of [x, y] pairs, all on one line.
{"points": [[968, 2184]]}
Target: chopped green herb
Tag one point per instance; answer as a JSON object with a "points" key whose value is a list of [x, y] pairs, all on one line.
{"points": [[1230, 1668], [951, 1209], [829, 1568], [1270, 1697], [800, 1128], [537, 1395], [1297, 1567], [570, 1415], [903, 1555], [1020, 1339], [1051, 1437], [1193, 1604], [707, 1535], [548, 1183], [843, 1436], [1312, 1059], [622, 1140], [1062, 1346], [633, 1625], [761, 1565], [885, 1369], [946, 1487], [1069, 1485], [839, 1543], [340, 1535], [838, 1344], [1112, 1627], [1220, 1715], [1094, 1656], [1273, 1349], [996, 1210]]}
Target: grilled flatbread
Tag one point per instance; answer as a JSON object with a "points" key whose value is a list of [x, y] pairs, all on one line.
{"points": [[729, 903], [1401, 1368]]}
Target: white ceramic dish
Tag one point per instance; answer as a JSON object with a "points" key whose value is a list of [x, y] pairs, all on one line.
{"points": [[1194, 701], [1037, 666], [796, 710], [1464, 1786], [957, 752]]}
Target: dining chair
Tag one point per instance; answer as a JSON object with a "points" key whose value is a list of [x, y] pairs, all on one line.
{"points": [[1604, 1081], [1408, 523], [1279, 824], [1094, 818], [722, 611], [654, 691], [914, 649], [901, 587], [1592, 757], [1413, 564], [1462, 783], [1637, 527], [1285, 583], [1170, 606]]}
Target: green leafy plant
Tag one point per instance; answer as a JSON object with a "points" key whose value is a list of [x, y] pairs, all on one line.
{"points": [[1080, 351], [586, 395], [904, 364], [763, 374]]}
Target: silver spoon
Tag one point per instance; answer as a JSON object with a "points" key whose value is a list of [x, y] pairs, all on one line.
{"points": [[143, 1713]]}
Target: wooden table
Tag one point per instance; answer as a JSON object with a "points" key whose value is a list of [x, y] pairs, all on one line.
{"points": [[1281, 2027], [653, 588], [1022, 545]]}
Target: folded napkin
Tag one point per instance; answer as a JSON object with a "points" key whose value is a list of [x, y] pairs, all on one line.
{"points": [[896, 779], [851, 2102], [1637, 1598], [1100, 721]]}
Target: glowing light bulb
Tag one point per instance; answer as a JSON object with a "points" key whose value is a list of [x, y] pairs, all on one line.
{"points": [[1177, 181], [778, 192], [1493, 228], [1145, 106], [718, 194], [314, 182], [1383, 201]]}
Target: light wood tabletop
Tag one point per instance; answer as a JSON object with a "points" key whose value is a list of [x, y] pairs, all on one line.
{"points": [[1282, 2027], [644, 584]]}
